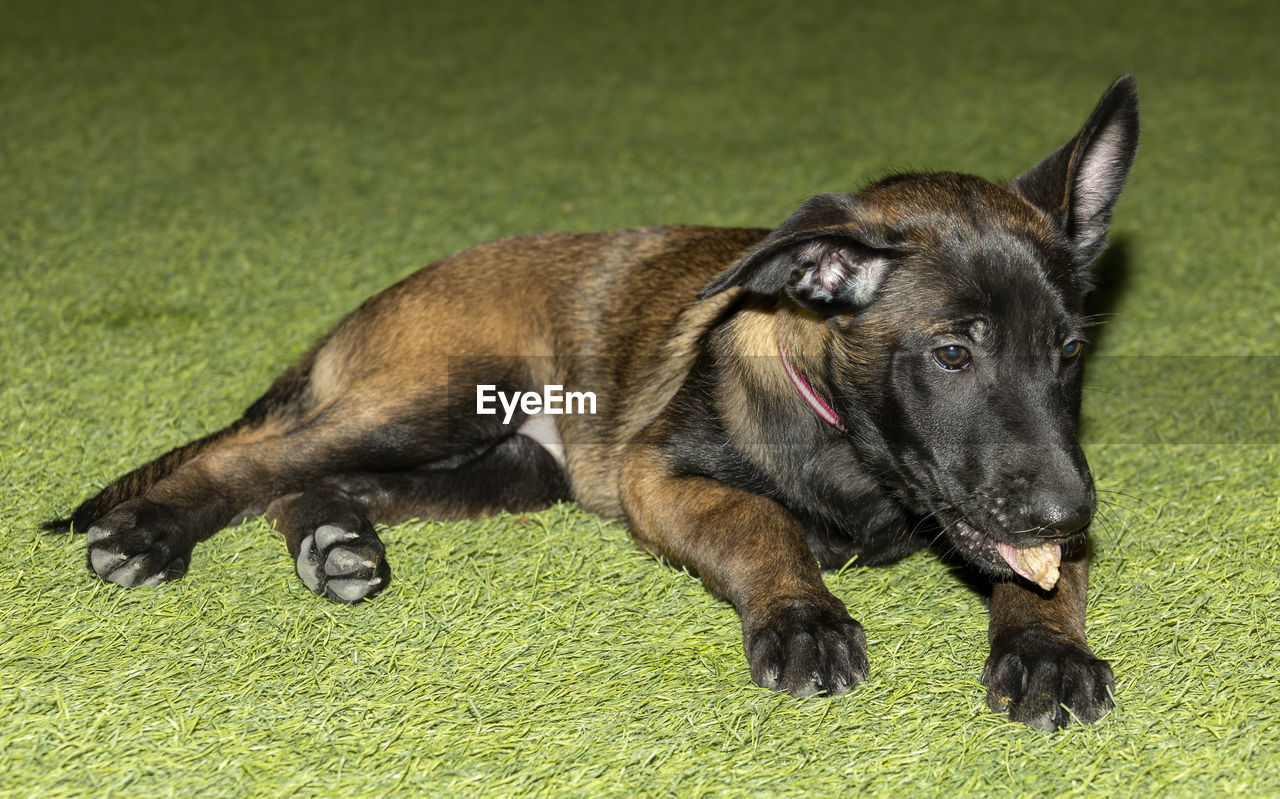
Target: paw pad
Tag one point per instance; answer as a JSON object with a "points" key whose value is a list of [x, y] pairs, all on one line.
{"points": [[138, 543], [342, 565]]}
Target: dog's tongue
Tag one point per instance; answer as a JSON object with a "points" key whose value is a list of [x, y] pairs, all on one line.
{"points": [[1039, 564]]}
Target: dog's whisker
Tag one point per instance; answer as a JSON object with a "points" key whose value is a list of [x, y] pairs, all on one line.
{"points": [[1125, 494]]}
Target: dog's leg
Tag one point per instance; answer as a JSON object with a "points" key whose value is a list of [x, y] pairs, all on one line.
{"points": [[1040, 670], [335, 549], [329, 527], [149, 539], [751, 552]]}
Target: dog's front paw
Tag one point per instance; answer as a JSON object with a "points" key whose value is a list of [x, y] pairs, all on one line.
{"points": [[1046, 682], [138, 543], [806, 647], [343, 565]]}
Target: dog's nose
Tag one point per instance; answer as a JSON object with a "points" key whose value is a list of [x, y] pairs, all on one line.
{"points": [[1063, 515]]}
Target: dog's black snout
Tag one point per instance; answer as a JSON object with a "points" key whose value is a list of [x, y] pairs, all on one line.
{"points": [[1062, 516]]}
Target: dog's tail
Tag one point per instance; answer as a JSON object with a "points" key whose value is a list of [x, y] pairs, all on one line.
{"points": [[286, 401]]}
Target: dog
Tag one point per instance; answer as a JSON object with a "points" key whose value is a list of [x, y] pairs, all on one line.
{"points": [[885, 371]]}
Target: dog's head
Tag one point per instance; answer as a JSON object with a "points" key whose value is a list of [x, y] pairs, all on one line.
{"points": [[950, 317]]}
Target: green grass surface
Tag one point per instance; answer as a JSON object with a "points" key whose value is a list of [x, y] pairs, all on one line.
{"points": [[191, 192]]}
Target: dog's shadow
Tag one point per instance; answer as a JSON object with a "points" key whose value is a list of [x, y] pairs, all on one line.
{"points": [[1111, 276]]}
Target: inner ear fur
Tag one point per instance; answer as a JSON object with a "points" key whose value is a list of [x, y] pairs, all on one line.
{"points": [[820, 256], [1078, 185]]}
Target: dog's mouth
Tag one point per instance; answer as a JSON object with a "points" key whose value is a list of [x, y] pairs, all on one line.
{"points": [[1038, 563]]}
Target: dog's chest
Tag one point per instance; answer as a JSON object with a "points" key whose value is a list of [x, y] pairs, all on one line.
{"points": [[856, 520]]}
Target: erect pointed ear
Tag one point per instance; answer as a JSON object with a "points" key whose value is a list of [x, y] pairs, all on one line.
{"points": [[820, 256], [1079, 184]]}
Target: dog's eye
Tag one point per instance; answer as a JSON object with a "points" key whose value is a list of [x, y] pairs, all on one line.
{"points": [[1072, 348], [952, 357]]}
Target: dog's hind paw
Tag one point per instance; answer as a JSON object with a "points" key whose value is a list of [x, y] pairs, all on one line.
{"points": [[138, 543], [805, 647], [343, 565], [1046, 682]]}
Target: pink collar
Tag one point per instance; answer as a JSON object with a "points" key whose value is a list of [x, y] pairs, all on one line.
{"points": [[815, 401]]}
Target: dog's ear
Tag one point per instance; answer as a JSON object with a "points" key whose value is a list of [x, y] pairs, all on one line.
{"points": [[820, 256], [1079, 184]]}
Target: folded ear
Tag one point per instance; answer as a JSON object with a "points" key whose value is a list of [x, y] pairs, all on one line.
{"points": [[1079, 184], [820, 257]]}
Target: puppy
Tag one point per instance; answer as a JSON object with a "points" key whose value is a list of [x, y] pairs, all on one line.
{"points": [[885, 370]]}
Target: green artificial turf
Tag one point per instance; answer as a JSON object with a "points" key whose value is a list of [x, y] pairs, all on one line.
{"points": [[191, 192]]}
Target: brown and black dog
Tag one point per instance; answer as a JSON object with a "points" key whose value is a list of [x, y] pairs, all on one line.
{"points": [[885, 370]]}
